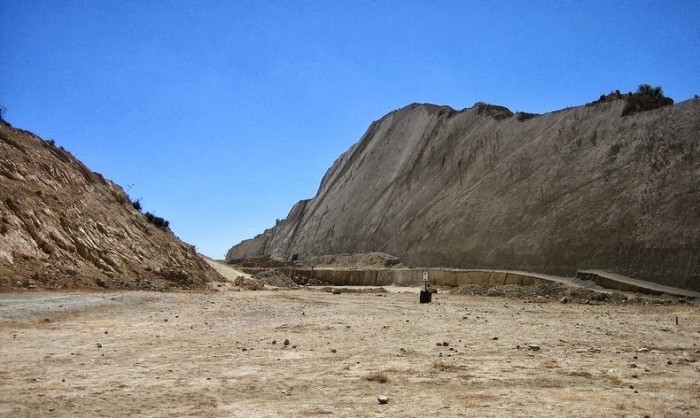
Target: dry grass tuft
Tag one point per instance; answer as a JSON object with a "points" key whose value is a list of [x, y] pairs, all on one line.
{"points": [[379, 376], [442, 366], [580, 373]]}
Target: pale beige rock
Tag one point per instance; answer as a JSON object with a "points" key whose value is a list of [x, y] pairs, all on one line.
{"points": [[579, 188], [63, 226]]}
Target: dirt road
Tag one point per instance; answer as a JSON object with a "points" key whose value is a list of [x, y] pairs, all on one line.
{"points": [[226, 354]]}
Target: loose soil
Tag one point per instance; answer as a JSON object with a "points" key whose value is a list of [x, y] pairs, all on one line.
{"points": [[310, 352]]}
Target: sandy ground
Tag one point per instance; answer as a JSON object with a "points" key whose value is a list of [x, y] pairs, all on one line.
{"points": [[223, 354]]}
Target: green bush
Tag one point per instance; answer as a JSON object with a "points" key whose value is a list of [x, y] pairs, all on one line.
{"points": [[157, 221], [646, 98]]}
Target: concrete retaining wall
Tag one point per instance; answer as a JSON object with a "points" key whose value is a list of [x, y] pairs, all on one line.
{"points": [[411, 277]]}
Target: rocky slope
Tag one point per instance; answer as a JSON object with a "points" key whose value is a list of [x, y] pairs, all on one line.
{"points": [[482, 188], [63, 226]]}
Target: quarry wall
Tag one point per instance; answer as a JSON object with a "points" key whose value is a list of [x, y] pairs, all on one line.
{"points": [[480, 188]]}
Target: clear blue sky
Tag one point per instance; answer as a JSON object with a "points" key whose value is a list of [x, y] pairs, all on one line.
{"points": [[219, 115]]}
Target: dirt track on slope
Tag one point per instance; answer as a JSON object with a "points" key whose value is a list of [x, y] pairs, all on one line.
{"points": [[212, 354]]}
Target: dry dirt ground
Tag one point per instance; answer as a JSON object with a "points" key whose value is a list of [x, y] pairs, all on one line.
{"points": [[223, 354]]}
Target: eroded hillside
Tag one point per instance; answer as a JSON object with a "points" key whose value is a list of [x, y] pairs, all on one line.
{"points": [[62, 225], [483, 188]]}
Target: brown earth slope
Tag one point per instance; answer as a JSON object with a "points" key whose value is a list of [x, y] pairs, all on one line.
{"points": [[579, 188], [62, 225]]}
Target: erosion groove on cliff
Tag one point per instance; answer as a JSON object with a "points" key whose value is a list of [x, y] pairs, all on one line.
{"points": [[581, 188]]}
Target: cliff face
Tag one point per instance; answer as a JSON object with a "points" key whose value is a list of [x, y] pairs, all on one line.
{"points": [[482, 188], [63, 226]]}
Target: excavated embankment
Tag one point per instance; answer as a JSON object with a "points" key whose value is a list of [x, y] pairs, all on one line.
{"points": [[582, 188], [64, 226]]}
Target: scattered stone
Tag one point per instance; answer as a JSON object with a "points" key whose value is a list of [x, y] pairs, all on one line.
{"points": [[533, 347], [564, 300], [383, 399], [333, 350], [106, 332], [99, 345], [494, 338], [634, 366], [286, 342], [274, 342], [669, 362], [643, 350], [445, 344]]}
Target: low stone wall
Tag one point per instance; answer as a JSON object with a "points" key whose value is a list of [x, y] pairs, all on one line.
{"points": [[410, 277]]}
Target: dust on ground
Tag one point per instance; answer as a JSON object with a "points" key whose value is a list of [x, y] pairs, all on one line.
{"points": [[311, 352]]}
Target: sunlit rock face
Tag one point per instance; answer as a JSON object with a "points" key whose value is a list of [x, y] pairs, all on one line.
{"points": [[485, 188], [64, 226]]}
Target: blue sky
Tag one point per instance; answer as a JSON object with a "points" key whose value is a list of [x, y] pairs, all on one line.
{"points": [[220, 115]]}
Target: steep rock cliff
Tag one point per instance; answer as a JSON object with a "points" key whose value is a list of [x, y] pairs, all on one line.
{"points": [[482, 188], [64, 226]]}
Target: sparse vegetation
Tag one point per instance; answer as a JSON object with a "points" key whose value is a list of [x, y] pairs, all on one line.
{"points": [[495, 111], [151, 217], [157, 220], [523, 116], [442, 366], [610, 97], [379, 376], [594, 137], [645, 98]]}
